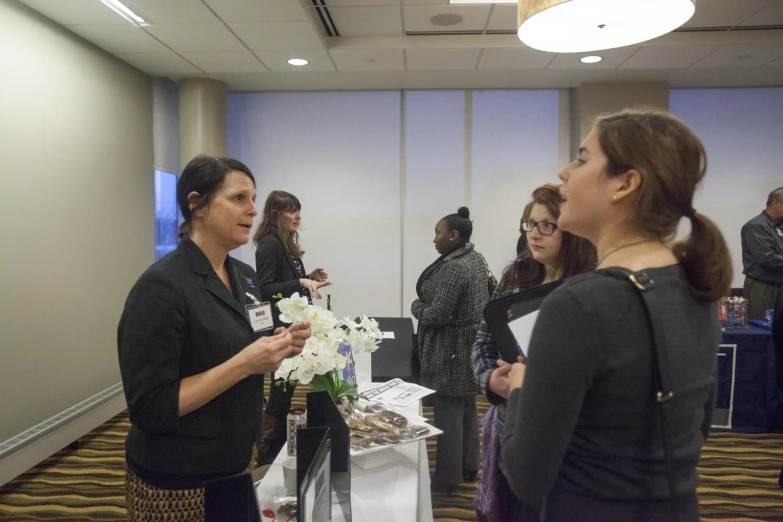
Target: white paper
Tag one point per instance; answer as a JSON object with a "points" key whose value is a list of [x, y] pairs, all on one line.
{"points": [[388, 335], [522, 329], [396, 392]]}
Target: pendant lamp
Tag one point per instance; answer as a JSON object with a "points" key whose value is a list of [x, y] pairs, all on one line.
{"points": [[576, 26]]}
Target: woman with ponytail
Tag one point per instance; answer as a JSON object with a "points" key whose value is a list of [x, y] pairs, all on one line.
{"points": [[452, 293], [584, 437]]}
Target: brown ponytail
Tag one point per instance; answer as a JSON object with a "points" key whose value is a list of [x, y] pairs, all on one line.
{"points": [[672, 162], [706, 260]]}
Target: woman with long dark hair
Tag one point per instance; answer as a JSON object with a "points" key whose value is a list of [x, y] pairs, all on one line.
{"points": [[607, 417], [280, 270], [549, 255]]}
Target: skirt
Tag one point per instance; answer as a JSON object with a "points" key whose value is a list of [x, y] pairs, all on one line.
{"points": [[147, 503]]}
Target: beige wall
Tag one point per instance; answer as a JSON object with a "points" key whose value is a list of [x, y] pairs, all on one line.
{"points": [[77, 217], [595, 99]]}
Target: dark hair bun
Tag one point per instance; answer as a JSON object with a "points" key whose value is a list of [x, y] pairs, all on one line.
{"points": [[463, 212]]}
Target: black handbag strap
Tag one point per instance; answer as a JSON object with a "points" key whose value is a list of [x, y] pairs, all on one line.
{"points": [[664, 395]]}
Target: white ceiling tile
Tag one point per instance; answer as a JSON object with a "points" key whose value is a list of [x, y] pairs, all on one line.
{"points": [[159, 63], [368, 60], [196, 38], [359, 3], [233, 62], [172, 11], [741, 56], [514, 59], [425, 2], [278, 60], [474, 18], [672, 57], [441, 59], [259, 10], [76, 12], [612, 58], [723, 13], [280, 36], [503, 18], [367, 21], [772, 15], [120, 38]]}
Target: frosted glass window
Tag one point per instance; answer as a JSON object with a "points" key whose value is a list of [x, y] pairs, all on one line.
{"points": [[434, 176], [339, 153], [742, 133], [514, 150]]}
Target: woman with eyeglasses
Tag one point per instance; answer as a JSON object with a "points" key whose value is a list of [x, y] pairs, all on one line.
{"points": [[550, 255], [607, 417]]}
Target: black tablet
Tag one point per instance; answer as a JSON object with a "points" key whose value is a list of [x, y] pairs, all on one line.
{"points": [[510, 322]]}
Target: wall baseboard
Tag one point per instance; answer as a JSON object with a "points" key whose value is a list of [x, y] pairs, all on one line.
{"points": [[16, 462]]}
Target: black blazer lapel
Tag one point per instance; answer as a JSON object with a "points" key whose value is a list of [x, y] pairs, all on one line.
{"points": [[200, 265], [288, 257]]}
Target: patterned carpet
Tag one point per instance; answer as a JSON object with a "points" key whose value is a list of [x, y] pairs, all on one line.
{"points": [[738, 480]]}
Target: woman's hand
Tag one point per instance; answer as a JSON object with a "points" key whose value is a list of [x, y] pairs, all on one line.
{"points": [[517, 376], [498, 379], [299, 335], [313, 286], [266, 354], [319, 275]]}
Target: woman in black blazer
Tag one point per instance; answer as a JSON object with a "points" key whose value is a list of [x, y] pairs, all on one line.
{"points": [[280, 271], [194, 343]]}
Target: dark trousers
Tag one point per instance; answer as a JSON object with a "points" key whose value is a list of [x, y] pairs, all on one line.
{"points": [[458, 447], [761, 297]]}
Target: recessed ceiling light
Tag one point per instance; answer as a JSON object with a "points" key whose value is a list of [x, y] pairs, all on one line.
{"points": [[590, 59], [298, 62], [124, 11], [579, 26]]}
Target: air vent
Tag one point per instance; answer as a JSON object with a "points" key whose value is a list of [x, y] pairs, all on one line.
{"points": [[325, 17]]}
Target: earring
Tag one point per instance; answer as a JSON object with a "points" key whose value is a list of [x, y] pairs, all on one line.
{"points": [[614, 198]]}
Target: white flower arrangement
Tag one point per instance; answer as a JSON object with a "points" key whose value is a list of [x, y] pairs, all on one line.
{"points": [[320, 361]]}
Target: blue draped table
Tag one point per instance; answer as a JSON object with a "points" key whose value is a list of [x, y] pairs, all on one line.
{"points": [[749, 397]]}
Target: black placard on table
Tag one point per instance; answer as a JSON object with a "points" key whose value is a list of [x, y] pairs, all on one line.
{"points": [[322, 412], [313, 475]]}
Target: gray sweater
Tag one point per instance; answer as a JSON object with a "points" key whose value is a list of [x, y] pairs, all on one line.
{"points": [[585, 418]]}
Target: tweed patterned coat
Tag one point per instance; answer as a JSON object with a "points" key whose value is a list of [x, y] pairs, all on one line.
{"points": [[452, 295]]}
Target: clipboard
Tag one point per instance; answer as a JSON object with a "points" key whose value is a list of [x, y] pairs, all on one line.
{"points": [[507, 314]]}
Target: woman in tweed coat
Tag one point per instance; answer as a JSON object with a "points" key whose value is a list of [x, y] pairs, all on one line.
{"points": [[452, 294]]}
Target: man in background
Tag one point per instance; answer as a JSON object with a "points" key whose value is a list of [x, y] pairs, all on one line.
{"points": [[762, 256]]}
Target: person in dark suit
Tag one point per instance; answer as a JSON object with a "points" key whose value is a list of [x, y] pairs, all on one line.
{"points": [[281, 272], [452, 293], [194, 342]]}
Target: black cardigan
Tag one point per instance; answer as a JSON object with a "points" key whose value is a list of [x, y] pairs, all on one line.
{"points": [[181, 320], [277, 273]]}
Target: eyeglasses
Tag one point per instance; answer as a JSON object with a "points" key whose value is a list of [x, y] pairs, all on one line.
{"points": [[545, 228]]}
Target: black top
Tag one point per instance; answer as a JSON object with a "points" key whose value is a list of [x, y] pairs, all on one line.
{"points": [[278, 272], [181, 320], [762, 249], [585, 418]]}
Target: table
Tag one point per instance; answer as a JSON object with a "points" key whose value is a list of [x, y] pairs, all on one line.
{"points": [[396, 492], [749, 397]]}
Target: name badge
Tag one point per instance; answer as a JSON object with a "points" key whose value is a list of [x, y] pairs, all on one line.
{"points": [[260, 316]]}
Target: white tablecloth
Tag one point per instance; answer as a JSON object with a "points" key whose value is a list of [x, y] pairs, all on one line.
{"points": [[396, 492]]}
